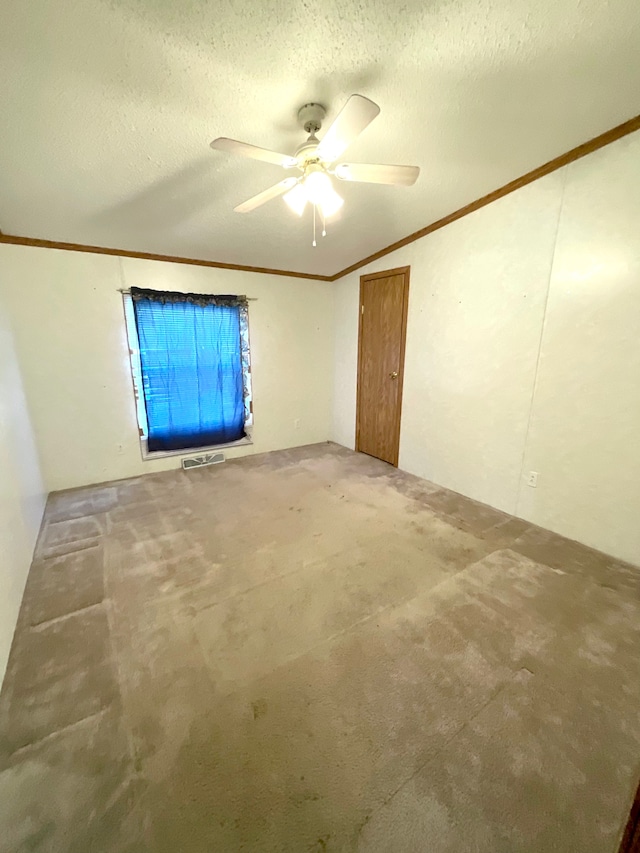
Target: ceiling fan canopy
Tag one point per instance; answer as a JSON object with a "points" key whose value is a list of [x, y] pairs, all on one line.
{"points": [[315, 159]]}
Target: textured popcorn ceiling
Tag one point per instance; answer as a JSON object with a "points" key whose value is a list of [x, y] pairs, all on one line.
{"points": [[108, 109]]}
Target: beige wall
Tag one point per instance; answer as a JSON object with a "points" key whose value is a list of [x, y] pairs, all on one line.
{"points": [[22, 495], [585, 418], [70, 336], [523, 354]]}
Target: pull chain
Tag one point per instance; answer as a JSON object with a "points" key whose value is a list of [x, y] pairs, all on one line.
{"points": [[314, 226], [324, 223]]}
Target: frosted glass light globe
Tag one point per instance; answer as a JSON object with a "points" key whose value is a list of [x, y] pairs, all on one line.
{"points": [[317, 186]]}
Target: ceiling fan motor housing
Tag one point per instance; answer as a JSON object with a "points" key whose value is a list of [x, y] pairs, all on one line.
{"points": [[306, 152]]}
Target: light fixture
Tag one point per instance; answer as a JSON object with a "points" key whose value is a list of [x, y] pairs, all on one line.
{"points": [[331, 203], [296, 199], [315, 162], [317, 185], [317, 189]]}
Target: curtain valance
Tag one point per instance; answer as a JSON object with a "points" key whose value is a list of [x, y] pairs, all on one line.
{"points": [[166, 297]]}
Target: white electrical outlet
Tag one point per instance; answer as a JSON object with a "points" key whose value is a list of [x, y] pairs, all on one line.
{"points": [[532, 479], [296, 423]]}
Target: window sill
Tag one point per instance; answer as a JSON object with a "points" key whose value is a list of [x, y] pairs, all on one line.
{"points": [[191, 451]]}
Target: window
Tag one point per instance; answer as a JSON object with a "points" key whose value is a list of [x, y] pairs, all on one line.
{"points": [[191, 369]]}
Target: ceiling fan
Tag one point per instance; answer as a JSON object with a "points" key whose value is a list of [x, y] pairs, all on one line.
{"points": [[315, 159]]}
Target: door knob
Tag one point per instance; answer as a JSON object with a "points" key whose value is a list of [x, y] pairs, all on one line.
{"points": [[393, 375]]}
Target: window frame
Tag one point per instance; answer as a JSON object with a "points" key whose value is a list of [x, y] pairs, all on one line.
{"points": [[135, 369]]}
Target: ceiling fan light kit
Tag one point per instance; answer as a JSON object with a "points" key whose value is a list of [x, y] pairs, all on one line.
{"points": [[315, 159]]}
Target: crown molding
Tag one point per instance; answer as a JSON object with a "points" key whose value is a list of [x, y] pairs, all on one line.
{"points": [[15, 240], [576, 153], [592, 145]]}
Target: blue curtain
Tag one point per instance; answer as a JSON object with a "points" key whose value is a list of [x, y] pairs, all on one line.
{"points": [[191, 369]]}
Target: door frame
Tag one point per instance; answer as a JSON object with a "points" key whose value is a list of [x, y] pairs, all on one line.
{"points": [[405, 272]]}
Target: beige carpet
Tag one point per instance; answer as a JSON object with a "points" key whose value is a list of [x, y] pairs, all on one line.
{"points": [[311, 651]]}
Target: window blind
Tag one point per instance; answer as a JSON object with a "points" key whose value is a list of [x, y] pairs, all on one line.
{"points": [[190, 353]]}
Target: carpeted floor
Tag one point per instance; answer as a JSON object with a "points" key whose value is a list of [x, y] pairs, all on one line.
{"points": [[311, 651]]}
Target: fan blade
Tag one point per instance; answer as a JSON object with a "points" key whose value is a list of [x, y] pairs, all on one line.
{"points": [[266, 195], [243, 149], [352, 119], [404, 176]]}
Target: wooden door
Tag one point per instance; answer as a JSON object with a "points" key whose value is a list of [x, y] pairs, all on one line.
{"points": [[384, 298]]}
